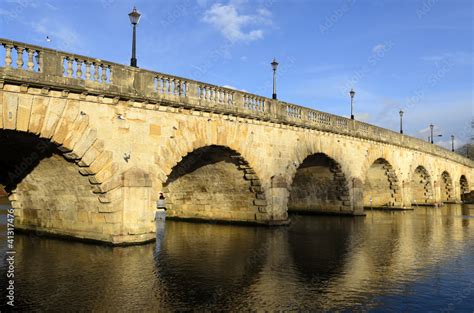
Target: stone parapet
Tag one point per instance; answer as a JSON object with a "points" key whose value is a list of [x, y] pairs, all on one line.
{"points": [[52, 69]]}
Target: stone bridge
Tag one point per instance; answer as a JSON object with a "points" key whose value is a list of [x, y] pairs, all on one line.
{"points": [[87, 145]]}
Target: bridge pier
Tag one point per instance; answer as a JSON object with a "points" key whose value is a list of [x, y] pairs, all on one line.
{"points": [[46, 204]]}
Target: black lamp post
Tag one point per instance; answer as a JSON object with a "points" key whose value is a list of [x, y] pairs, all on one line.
{"points": [[134, 19], [352, 94], [274, 68], [401, 121], [452, 143], [431, 127]]}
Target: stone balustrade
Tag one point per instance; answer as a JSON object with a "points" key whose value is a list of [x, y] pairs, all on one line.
{"points": [[34, 65]]}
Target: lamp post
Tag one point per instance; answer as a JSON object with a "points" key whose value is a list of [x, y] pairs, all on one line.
{"points": [[452, 143], [134, 19], [431, 127], [401, 121], [352, 94], [274, 68]]}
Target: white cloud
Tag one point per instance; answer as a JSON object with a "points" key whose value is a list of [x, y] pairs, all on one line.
{"points": [[234, 26], [379, 47], [264, 12]]}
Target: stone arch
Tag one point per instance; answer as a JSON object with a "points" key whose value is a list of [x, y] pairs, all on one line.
{"points": [[193, 134], [421, 187], [64, 140], [446, 187], [319, 185], [463, 186], [215, 182], [381, 185]]}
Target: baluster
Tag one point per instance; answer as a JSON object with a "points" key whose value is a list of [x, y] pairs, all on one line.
{"points": [[19, 59], [69, 66], [202, 92], [178, 87], [161, 83], [103, 77], [210, 93], [110, 73], [8, 55], [30, 64], [170, 87], [79, 68], [88, 70], [39, 60], [96, 71]]}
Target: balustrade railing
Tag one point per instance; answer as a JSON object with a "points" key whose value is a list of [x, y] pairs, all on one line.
{"points": [[254, 103], [86, 69], [31, 63], [168, 85], [214, 94], [293, 111], [22, 57]]}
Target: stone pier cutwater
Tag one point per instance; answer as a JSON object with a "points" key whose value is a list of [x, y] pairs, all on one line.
{"points": [[86, 146]]}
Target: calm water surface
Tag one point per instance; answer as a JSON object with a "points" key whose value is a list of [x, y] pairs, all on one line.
{"points": [[415, 260]]}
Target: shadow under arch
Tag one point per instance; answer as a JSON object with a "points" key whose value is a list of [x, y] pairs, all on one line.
{"points": [[381, 186], [463, 186], [421, 187], [319, 186], [214, 183], [46, 189], [446, 187]]}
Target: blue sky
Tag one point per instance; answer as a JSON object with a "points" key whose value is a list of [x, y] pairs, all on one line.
{"points": [[415, 55]]}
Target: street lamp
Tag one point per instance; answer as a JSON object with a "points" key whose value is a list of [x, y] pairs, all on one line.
{"points": [[274, 67], [452, 143], [431, 127], [352, 94], [134, 19], [401, 121]]}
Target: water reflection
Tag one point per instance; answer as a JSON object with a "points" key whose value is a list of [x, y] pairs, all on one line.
{"points": [[419, 259]]}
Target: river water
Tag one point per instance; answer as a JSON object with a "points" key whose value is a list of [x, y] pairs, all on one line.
{"points": [[406, 260]]}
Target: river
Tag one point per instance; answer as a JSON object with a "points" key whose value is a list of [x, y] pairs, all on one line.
{"points": [[420, 260]]}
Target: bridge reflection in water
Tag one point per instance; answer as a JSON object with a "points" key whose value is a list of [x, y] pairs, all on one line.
{"points": [[385, 260]]}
